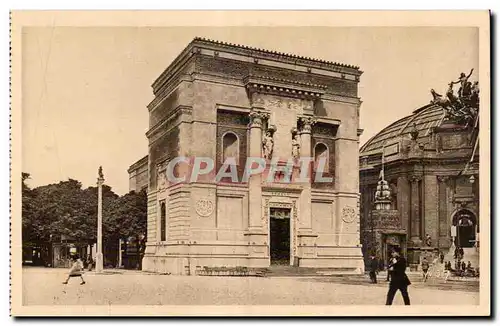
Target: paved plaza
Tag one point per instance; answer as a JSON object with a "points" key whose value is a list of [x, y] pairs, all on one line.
{"points": [[43, 286]]}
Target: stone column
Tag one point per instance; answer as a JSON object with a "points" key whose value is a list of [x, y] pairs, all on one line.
{"points": [[99, 256], [443, 212], [403, 189], [254, 182], [306, 123], [416, 236], [430, 220]]}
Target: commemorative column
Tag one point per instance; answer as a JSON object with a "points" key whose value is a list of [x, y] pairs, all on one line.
{"points": [[99, 257]]}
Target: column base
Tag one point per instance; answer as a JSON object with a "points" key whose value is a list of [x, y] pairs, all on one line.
{"points": [[99, 263], [415, 242]]}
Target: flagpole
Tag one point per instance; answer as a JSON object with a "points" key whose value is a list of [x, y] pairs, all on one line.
{"points": [[383, 159]]}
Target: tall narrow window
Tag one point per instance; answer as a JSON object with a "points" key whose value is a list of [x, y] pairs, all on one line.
{"points": [[321, 153], [230, 147], [163, 222]]}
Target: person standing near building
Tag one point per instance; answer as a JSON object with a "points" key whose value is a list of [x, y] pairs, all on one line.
{"points": [[425, 269], [399, 279], [441, 257], [373, 269], [90, 262], [447, 271]]}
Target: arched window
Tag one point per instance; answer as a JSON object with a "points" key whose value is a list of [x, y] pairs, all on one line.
{"points": [[321, 152], [230, 147], [163, 222]]}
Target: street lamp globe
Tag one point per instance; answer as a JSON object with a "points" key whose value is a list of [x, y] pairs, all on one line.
{"points": [[472, 179]]}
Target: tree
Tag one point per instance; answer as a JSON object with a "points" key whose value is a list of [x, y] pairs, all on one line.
{"points": [[63, 209], [60, 210], [90, 198], [127, 216], [28, 211], [127, 219]]}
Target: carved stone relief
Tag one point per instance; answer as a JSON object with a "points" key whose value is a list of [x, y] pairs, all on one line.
{"points": [[306, 123], [162, 180], [265, 215], [270, 102], [348, 214], [204, 207]]}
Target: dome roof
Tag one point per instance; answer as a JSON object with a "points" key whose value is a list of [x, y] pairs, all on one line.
{"points": [[424, 119]]}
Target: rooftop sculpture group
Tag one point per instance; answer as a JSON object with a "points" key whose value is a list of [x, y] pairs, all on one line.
{"points": [[463, 107]]}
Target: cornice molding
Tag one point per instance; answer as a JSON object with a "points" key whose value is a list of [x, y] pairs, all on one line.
{"points": [[194, 49], [220, 79], [283, 87], [341, 98], [175, 67], [138, 164], [164, 94], [257, 53], [174, 114]]}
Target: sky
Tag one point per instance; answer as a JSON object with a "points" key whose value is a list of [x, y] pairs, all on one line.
{"points": [[85, 90]]}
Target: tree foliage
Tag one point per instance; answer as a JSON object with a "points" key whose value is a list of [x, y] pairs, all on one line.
{"points": [[127, 216], [66, 210]]}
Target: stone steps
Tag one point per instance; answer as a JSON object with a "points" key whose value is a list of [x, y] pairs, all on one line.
{"points": [[280, 271]]}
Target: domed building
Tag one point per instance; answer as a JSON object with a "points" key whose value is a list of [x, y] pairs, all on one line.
{"points": [[419, 182]]}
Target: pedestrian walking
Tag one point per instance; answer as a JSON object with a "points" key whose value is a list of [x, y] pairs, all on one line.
{"points": [[399, 279], [373, 269], [441, 257], [425, 269], [447, 271], [76, 269], [90, 262]]}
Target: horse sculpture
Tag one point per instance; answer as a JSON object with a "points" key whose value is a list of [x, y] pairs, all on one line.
{"points": [[443, 102]]}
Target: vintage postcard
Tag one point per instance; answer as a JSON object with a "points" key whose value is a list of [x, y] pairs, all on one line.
{"points": [[250, 163]]}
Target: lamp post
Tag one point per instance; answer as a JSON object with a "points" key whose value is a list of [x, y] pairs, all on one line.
{"points": [[99, 258]]}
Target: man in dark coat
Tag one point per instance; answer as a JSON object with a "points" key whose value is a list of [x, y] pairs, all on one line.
{"points": [[399, 279], [388, 272], [373, 269]]}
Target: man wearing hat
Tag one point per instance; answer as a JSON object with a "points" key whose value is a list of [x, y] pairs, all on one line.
{"points": [[373, 268], [399, 279]]}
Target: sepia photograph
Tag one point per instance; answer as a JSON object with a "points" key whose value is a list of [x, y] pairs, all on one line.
{"points": [[248, 163]]}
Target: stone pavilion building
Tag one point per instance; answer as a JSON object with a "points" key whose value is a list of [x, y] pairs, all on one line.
{"points": [[426, 200], [221, 101]]}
